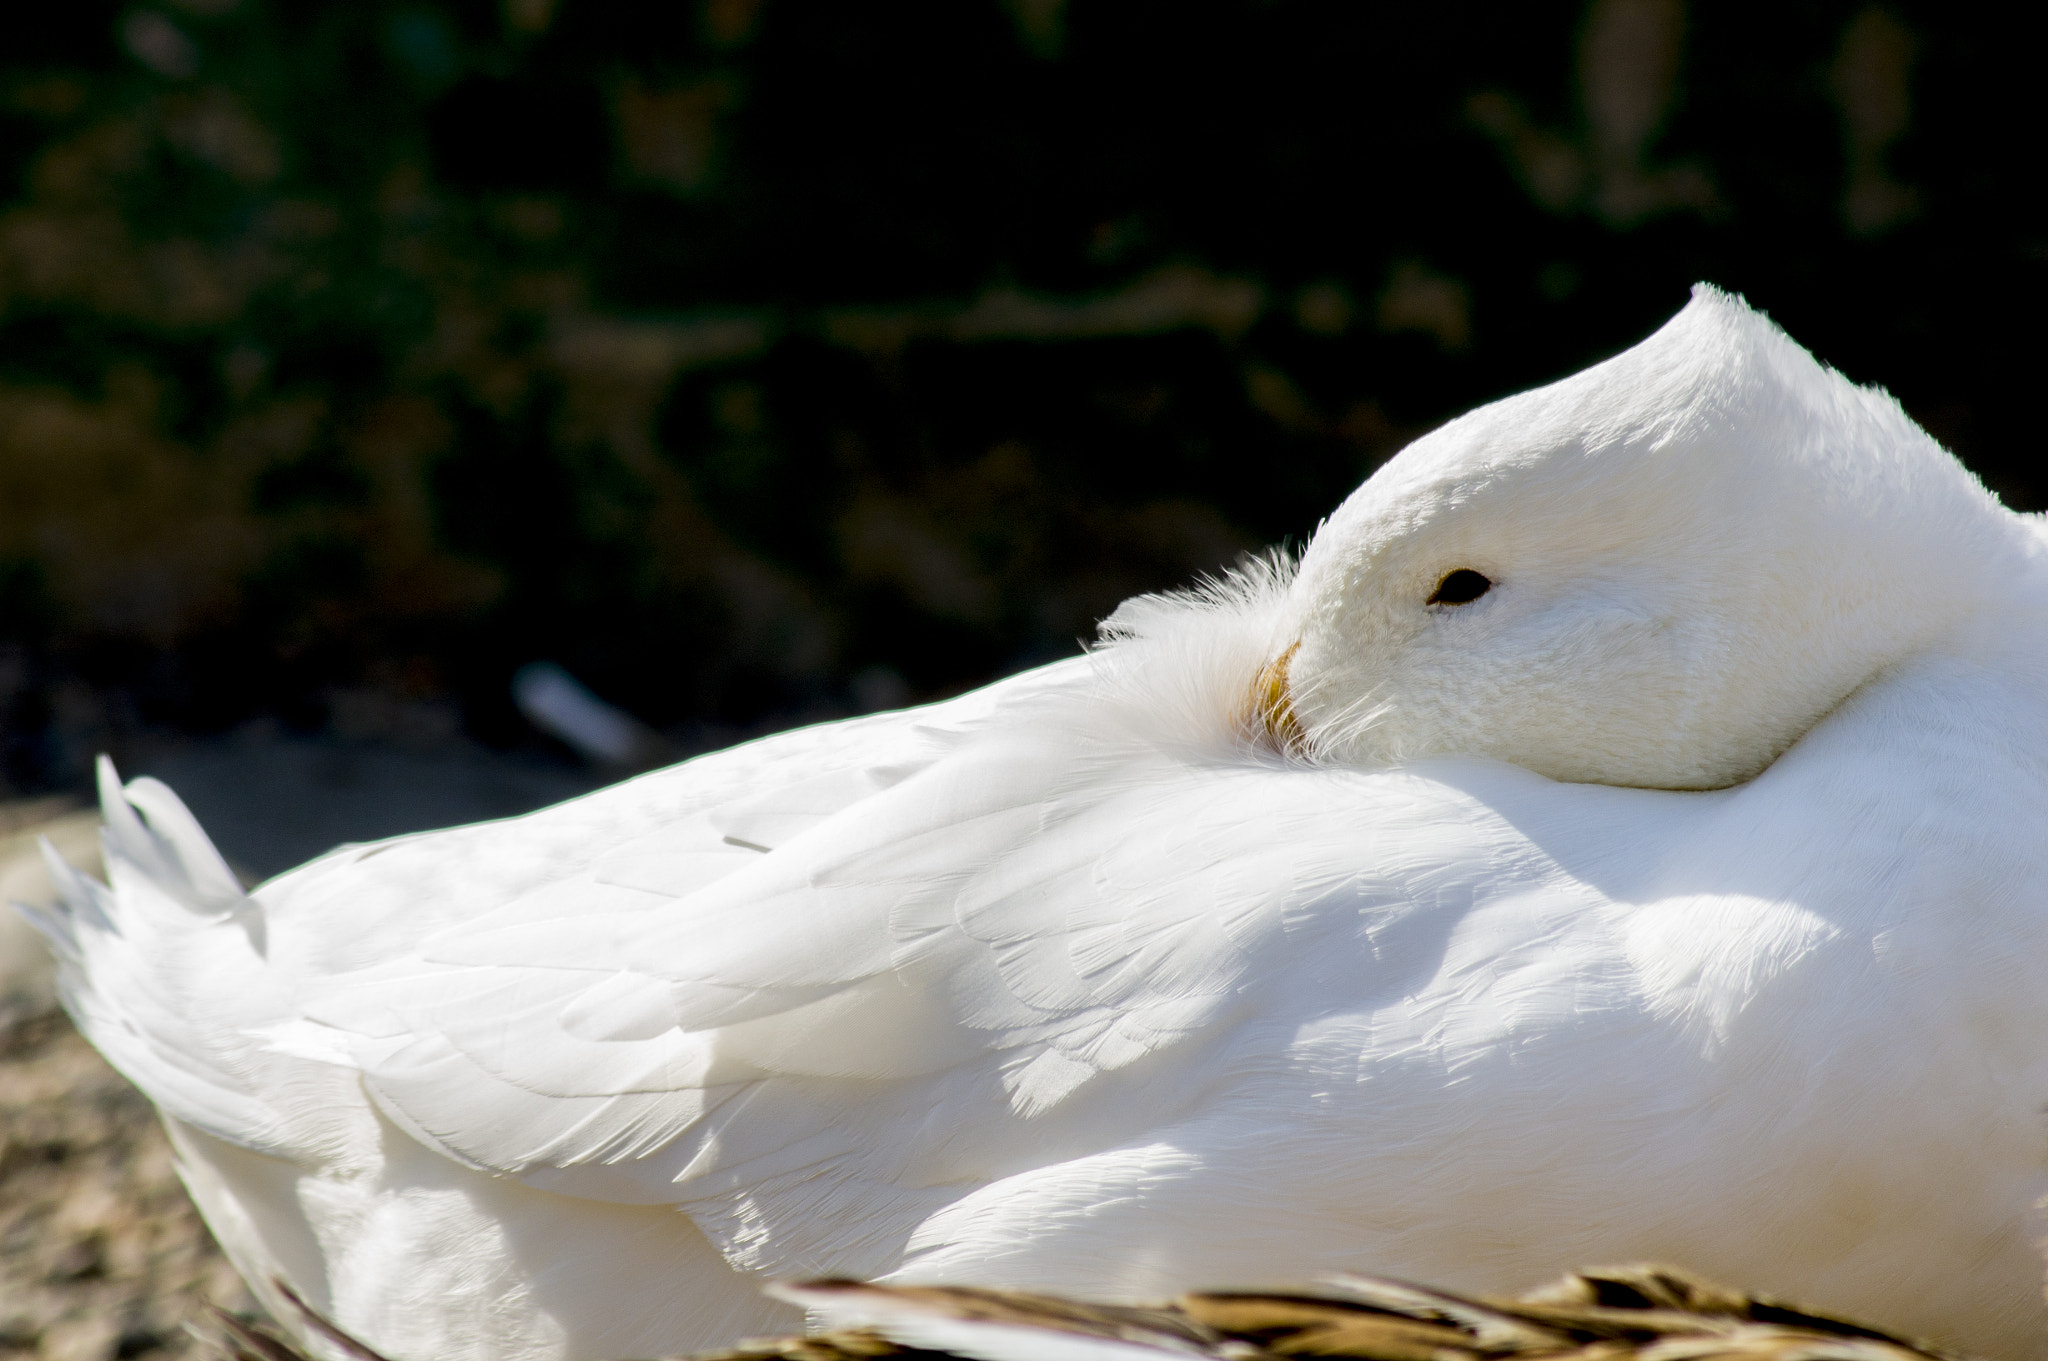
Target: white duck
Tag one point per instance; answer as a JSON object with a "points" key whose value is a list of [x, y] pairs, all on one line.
{"points": [[1350, 916]]}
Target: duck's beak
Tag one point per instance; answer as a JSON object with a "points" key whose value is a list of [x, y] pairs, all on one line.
{"points": [[1270, 715]]}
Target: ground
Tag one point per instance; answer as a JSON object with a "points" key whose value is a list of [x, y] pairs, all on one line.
{"points": [[101, 1254]]}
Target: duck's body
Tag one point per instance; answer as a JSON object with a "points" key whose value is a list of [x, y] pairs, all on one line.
{"points": [[1070, 984]]}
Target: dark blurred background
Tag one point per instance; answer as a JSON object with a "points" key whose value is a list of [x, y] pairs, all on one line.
{"points": [[759, 361]]}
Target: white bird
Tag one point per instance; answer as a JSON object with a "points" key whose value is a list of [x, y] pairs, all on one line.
{"points": [[1621, 837]]}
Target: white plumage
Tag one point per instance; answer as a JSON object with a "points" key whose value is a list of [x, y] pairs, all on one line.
{"points": [[1265, 939]]}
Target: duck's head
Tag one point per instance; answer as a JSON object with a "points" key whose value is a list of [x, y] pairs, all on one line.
{"points": [[1659, 572]]}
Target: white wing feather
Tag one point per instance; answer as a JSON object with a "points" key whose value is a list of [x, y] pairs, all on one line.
{"points": [[815, 1047]]}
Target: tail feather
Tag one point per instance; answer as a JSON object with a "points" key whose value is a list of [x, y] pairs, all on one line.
{"points": [[162, 967], [80, 902], [171, 847]]}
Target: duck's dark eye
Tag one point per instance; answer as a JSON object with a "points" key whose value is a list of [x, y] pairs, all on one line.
{"points": [[1461, 587]]}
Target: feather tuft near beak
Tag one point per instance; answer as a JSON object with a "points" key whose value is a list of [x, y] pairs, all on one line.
{"points": [[1272, 717]]}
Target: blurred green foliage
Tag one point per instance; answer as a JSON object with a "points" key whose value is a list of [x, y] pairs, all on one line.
{"points": [[760, 359]]}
